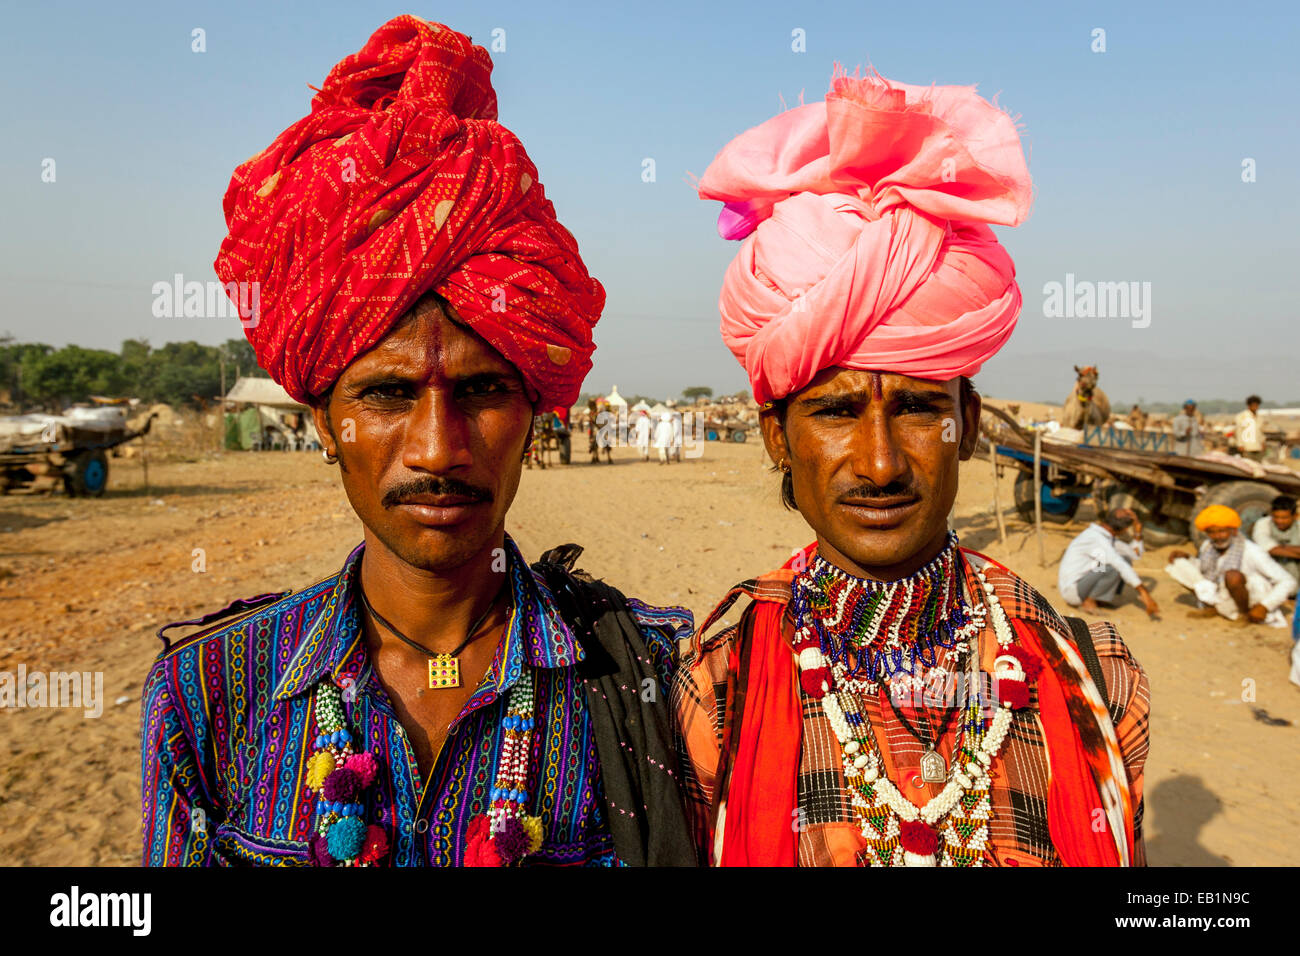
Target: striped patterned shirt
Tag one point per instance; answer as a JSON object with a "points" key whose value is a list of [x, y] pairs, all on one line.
{"points": [[704, 698], [228, 718]]}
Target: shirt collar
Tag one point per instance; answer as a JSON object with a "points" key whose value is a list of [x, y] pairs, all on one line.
{"points": [[535, 632]]}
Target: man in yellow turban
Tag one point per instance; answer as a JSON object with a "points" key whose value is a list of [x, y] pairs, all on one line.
{"points": [[1232, 575]]}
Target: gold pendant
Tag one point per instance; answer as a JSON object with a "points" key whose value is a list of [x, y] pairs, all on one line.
{"points": [[934, 769], [444, 671]]}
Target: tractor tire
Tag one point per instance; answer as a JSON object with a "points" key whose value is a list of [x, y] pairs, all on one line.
{"points": [[1250, 499], [87, 476], [1055, 510], [738, 435]]}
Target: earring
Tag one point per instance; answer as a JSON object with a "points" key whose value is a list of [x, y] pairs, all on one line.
{"points": [[784, 466], [329, 459]]}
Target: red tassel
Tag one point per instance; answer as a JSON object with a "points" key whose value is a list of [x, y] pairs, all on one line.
{"points": [[813, 679], [1013, 693], [479, 849], [1031, 663], [917, 837]]}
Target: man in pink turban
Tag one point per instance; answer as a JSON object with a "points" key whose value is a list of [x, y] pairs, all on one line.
{"points": [[439, 700], [889, 698]]}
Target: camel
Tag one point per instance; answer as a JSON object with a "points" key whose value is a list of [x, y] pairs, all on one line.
{"points": [[1087, 404]]}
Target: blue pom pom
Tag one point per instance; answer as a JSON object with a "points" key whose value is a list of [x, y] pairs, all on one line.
{"points": [[346, 838]]}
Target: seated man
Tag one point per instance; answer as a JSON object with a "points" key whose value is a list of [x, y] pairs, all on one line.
{"points": [[887, 697], [1096, 565], [437, 701], [1278, 533], [1232, 575]]}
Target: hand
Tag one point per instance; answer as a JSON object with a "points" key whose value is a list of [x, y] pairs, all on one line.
{"points": [[1257, 613], [1178, 554], [1153, 609]]}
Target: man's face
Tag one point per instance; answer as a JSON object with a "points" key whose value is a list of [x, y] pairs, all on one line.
{"points": [[873, 457], [1253, 406], [1220, 536], [1283, 519], [1189, 409], [429, 428]]}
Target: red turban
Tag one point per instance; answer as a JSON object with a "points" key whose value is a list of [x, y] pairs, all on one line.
{"points": [[399, 182]]}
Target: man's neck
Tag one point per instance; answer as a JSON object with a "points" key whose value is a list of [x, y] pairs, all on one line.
{"points": [[885, 572], [433, 608]]}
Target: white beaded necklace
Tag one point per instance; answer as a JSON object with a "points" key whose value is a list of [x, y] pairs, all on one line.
{"points": [[962, 806]]}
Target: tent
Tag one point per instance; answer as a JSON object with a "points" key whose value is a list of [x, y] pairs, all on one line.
{"points": [[269, 418], [615, 400]]}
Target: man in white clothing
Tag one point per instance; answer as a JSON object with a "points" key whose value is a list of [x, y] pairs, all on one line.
{"points": [[1278, 533], [1248, 433], [664, 437], [1232, 575], [642, 435], [1098, 563]]}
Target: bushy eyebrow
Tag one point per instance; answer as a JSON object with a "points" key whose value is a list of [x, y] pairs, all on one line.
{"points": [[862, 396]]}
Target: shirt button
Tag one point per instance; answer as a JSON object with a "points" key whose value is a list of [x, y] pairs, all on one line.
{"points": [[421, 826]]}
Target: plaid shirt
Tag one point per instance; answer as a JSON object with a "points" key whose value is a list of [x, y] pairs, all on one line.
{"points": [[704, 695]]}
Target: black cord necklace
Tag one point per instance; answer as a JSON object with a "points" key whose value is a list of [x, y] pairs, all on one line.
{"points": [[934, 769], [444, 669]]}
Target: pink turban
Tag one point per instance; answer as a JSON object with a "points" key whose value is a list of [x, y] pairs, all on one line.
{"points": [[867, 239]]}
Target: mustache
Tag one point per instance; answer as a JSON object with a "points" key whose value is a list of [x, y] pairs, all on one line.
{"points": [[872, 492], [431, 485]]}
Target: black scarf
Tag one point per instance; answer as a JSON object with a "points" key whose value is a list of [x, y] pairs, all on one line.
{"points": [[634, 736]]}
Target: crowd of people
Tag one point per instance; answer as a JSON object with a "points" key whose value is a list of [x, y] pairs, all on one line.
{"points": [[1193, 436], [1246, 579]]}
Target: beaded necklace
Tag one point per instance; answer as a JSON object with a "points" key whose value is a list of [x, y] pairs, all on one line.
{"points": [[878, 630], [951, 829], [338, 775]]}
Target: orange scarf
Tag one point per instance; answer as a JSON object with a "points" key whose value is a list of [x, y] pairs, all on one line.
{"points": [[760, 785]]}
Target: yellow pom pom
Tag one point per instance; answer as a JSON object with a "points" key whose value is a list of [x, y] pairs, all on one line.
{"points": [[533, 827], [318, 768]]}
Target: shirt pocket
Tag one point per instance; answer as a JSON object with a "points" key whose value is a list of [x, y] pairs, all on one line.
{"points": [[235, 847]]}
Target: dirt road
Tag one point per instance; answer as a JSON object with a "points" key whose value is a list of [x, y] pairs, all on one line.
{"points": [[84, 584]]}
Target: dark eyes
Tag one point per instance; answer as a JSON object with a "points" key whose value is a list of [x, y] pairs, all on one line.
{"points": [[386, 390], [472, 388], [904, 407], [836, 411]]}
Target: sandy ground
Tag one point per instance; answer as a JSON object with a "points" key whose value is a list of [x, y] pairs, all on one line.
{"points": [[84, 584]]}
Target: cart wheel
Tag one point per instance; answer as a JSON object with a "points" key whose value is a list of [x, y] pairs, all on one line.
{"points": [[88, 476], [738, 435], [1055, 510], [1250, 499], [711, 434]]}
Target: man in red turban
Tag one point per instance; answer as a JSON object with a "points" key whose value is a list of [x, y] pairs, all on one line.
{"points": [[400, 182], [439, 701], [889, 698]]}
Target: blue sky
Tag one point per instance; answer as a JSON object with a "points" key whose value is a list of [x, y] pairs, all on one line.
{"points": [[1136, 155]]}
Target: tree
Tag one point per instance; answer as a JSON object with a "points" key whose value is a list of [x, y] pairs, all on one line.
{"points": [[697, 391], [71, 374]]}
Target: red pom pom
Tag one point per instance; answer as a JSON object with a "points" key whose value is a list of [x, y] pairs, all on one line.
{"points": [[1032, 665], [813, 679], [917, 837], [479, 850], [375, 846], [1013, 693]]}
